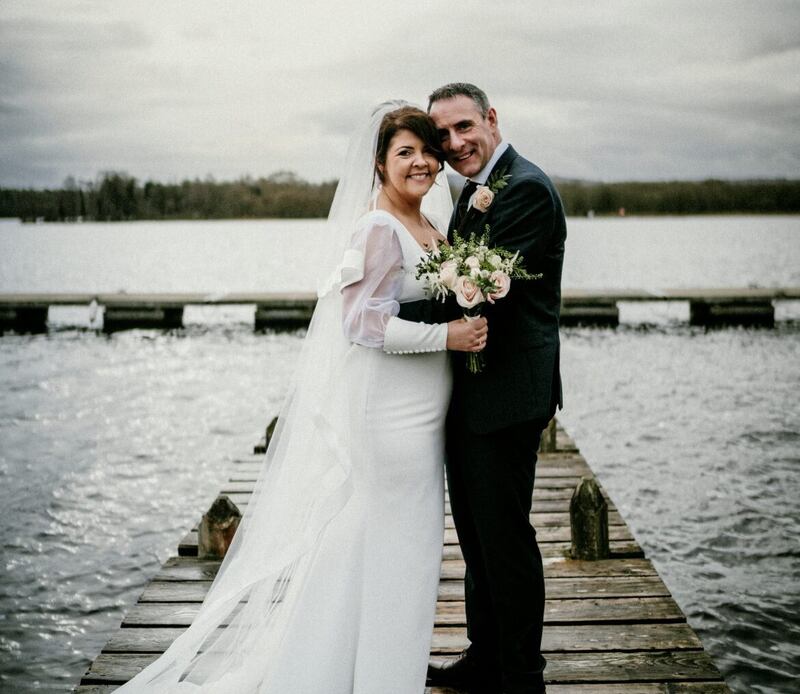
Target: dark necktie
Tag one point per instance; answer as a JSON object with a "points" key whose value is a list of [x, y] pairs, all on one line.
{"points": [[463, 202]]}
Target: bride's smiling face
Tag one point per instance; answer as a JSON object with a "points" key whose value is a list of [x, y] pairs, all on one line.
{"points": [[410, 167]]}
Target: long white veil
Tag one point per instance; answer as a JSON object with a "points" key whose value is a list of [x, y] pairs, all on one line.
{"points": [[305, 480]]}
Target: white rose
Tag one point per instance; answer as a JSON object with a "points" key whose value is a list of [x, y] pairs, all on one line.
{"points": [[448, 273], [495, 261], [483, 198], [472, 262], [503, 283], [467, 293]]}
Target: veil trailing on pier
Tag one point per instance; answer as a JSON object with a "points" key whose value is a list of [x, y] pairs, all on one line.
{"points": [[306, 479]]}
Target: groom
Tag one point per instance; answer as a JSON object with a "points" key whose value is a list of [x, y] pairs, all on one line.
{"points": [[496, 417]]}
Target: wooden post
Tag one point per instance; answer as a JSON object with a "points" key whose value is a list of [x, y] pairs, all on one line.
{"points": [[261, 446], [217, 528], [548, 444], [588, 516]]}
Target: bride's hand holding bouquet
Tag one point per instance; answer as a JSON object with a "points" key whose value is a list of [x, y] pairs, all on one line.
{"points": [[473, 273]]}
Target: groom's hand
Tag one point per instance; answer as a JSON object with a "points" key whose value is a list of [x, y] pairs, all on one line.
{"points": [[467, 335]]}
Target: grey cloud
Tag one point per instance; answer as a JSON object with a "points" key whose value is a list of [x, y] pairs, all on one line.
{"points": [[617, 89]]}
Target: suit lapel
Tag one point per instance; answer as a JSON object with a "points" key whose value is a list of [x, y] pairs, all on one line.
{"points": [[474, 220]]}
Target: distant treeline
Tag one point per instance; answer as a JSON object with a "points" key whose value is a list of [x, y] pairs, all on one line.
{"points": [[116, 196], [681, 197]]}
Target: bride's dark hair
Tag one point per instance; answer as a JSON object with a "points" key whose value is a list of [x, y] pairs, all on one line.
{"points": [[414, 120]]}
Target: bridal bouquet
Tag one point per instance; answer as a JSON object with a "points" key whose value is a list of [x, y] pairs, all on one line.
{"points": [[474, 274]]}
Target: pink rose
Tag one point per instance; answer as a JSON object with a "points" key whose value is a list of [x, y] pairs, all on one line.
{"points": [[483, 198], [448, 273], [503, 283], [467, 292]]}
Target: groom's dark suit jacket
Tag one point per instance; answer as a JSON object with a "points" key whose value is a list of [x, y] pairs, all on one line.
{"points": [[521, 379]]}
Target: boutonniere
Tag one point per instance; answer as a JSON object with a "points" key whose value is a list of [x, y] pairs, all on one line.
{"points": [[484, 195]]}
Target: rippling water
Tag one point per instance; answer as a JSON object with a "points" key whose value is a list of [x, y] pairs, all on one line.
{"points": [[111, 449], [112, 446], [696, 436]]}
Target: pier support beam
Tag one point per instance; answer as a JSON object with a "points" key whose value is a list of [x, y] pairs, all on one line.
{"points": [[24, 319], [287, 314], [588, 516], [756, 313], [131, 316], [548, 444], [589, 312], [217, 528]]}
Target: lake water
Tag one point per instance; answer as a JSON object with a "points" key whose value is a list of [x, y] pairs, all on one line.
{"points": [[112, 446]]}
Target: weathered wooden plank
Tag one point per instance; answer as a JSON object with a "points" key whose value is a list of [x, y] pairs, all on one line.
{"points": [[559, 550], [540, 493], [188, 569], [451, 612], [601, 667], [539, 505], [555, 549], [538, 520], [640, 688], [562, 469], [647, 666], [625, 688], [661, 609], [547, 534], [557, 465], [142, 639], [234, 489], [589, 637], [45, 299], [566, 568], [585, 637], [116, 667], [193, 569], [582, 295], [578, 587], [634, 667], [161, 614]]}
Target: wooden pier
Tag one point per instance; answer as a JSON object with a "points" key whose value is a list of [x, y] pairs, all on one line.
{"points": [[280, 310], [611, 625]]}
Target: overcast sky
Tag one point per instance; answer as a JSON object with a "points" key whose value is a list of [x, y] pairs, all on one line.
{"points": [[611, 90]]}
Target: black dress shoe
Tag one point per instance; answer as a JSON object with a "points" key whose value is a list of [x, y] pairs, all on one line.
{"points": [[464, 674]]}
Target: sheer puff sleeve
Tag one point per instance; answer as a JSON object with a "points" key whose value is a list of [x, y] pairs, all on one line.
{"points": [[370, 300]]}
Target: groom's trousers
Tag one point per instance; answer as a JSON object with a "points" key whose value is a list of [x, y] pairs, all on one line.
{"points": [[490, 480]]}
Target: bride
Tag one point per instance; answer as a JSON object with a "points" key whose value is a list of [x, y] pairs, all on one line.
{"points": [[330, 584]]}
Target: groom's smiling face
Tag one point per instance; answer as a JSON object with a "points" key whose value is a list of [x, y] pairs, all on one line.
{"points": [[468, 137]]}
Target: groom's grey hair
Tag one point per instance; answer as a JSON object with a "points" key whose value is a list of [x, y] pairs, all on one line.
{"points": [[454, 89]]}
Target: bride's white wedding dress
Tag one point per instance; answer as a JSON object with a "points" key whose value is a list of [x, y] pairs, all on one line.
{"points": [[364, 620], [330, 583]]}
